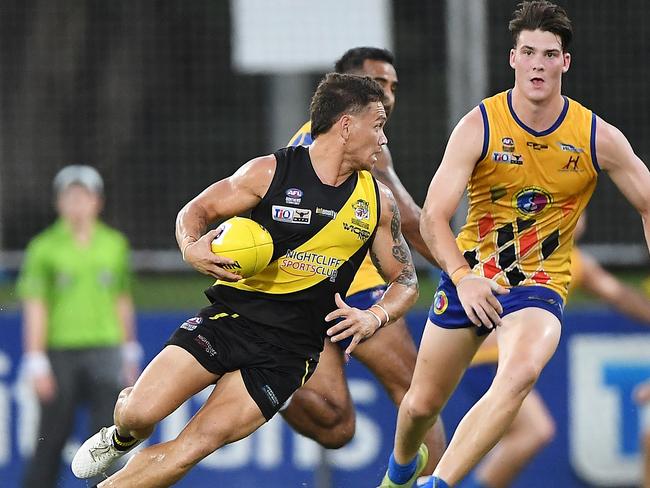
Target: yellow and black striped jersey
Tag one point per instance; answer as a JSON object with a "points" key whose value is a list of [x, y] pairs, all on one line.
{"points": [[321, 234], [367, 277]]}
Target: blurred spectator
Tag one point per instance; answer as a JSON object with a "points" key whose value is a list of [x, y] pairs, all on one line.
{"points": [[79, 332]]}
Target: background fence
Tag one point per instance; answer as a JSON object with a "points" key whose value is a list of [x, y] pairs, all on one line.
{"points": [[149, 93]]}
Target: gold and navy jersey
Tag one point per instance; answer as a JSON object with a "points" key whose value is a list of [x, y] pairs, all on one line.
{"points": [[367, 277], [321, 234], [526, 194]]}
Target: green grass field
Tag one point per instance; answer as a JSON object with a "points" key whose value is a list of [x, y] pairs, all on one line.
{"points": [[184, 291]]}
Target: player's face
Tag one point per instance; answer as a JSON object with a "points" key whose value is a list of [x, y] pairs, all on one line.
{"points": [[367, 135], [383, 73], [539, 62], [79, 205]]}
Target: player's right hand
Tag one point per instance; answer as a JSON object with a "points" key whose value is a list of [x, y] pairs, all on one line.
{"points": [[45, 386], [199, 254], [476, 295]]}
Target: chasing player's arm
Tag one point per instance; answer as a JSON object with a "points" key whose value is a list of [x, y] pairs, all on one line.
{"points": [[392, 258], [445, 192], [410, 211], [601, 283], [616, 156], [226, 198]]}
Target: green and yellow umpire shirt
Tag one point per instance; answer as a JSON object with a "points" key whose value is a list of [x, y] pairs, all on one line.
{"points": [[79, 285]]}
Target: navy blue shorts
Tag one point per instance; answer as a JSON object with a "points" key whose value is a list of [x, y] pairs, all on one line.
{"points": [[362, 300], [447, 312]]}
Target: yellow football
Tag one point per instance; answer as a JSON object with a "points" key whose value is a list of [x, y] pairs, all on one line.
{"points": [[246, 242]]}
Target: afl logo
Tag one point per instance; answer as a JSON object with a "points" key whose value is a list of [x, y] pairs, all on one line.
{"points": [[293, 196], [440, 302], [294, 193], [532, 200]]}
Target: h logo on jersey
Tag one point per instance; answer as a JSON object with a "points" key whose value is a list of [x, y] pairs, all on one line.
{"points": [[572, 164]]}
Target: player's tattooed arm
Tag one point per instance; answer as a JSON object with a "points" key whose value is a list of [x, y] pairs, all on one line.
{"points": [[401, 251], [400, 268]]}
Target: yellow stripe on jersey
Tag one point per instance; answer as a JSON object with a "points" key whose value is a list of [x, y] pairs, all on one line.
{"points": [[526, 194], [320, 257], [367, 276]]}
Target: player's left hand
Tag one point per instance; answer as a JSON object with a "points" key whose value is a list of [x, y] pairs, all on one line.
{"points": [[360, 324]]}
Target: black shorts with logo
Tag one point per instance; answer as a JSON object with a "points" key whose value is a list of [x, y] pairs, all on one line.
{"points": [[223, 341]]}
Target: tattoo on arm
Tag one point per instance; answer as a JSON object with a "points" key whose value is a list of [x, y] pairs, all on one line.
{"points": [[395, 222], [375, 260], [408, 277], [401, 252]]}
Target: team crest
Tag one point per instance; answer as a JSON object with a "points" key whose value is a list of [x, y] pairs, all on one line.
{"points": [[361, 209], [531, 200], [508, 144], [440, 302]]}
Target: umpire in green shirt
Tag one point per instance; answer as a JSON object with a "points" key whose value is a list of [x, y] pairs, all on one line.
{"points": [[79, 333]]}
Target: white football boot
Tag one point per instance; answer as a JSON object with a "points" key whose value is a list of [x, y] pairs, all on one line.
{"points": [[97, 454]]}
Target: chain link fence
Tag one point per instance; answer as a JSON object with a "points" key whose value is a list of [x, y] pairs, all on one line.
{"points": [[146, 91]]}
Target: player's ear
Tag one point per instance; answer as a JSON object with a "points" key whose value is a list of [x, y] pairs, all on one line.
{"points": [[567, 62], [345, 124], [512, 58]]}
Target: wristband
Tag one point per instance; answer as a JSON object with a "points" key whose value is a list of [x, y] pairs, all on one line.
{"points": [[183, 248], [132, 352], [375, 316], [459, 274], [36, 363], [383, 310]]}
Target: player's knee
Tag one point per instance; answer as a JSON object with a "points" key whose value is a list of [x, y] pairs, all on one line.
{"points": [[134, 415], [520, 378], [340, 434], [543, 432], [421, 408]]}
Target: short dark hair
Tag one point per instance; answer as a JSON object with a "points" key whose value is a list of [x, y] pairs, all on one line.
{"points": [[353, 59], [340, 93], [542, 15]]}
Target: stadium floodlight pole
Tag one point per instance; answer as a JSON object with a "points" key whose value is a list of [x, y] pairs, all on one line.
{"points": [[467, 66]]}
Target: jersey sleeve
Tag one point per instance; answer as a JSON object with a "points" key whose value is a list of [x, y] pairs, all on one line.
{"points": [[34, 279]]}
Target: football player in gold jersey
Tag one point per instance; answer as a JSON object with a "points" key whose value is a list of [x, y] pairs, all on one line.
{"points": [[529, 158]]}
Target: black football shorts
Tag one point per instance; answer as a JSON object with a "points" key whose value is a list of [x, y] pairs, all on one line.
{"points": [[223, 341]]}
